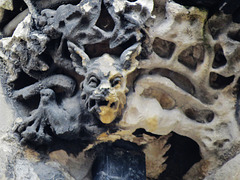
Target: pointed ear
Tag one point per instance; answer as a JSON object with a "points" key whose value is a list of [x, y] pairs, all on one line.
{"points": [[128, 57], [79, 58]]}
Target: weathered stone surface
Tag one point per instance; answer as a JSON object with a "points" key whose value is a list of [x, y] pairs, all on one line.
{"points": [[81, 76]]}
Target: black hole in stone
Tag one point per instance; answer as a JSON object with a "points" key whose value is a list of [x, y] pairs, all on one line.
{"points": [[183, 154], [237, 113], [7, 25], [113, 105], [218, 81], [201, 116], [219, 59], [105, 21], [92, 103], [84, 96], [23, 81], [61, 24], [139, 133], [234, 35], [98, 49], [31, 103], [84, 23], [103, 103], [236, 16], [38, 127], [163, 48], [121, 160], [191, 56]]}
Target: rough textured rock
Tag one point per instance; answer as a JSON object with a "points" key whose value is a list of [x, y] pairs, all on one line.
{"points": [[88, 85]]}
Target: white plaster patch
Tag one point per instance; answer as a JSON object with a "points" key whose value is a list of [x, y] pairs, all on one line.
{"points": [[87, 7], [119, 5]]}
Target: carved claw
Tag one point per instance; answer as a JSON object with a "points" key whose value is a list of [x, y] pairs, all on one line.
{"points": [[32, 128]]}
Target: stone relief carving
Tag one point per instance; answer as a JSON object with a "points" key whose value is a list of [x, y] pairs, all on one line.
{"points": [[138, 80]]}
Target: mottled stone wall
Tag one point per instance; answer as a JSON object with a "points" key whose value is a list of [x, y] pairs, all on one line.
{"points": [[128, 89]]}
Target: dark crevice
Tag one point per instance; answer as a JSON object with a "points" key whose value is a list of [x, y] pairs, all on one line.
{"points": [[105, 21], [98, 49], [53, 4], [139, 133], [218, 81], [200, 116], [23, 81], [163, 48], [234, 35], [183, 154], [31, 103], [103, 103], [219, 59], [192, 56], [119, 160], [18, 7], [237, 113]]}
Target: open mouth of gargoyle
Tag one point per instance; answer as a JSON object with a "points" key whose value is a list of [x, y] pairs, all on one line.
{"points": [[95, 104]]}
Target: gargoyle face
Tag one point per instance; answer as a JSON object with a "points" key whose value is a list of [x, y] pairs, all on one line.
{"points": [[104, 88]]}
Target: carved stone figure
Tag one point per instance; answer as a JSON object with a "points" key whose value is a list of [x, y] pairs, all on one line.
{"points": [[105, 85], [121, 89]]}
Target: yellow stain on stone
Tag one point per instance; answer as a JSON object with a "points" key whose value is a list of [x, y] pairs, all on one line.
{"points": [[107, 114], [120, 134], [152, 124], [6, 4], [31, 155], [103, 135], [60, 156]]}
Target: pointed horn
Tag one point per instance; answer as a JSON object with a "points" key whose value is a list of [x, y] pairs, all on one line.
{"points": [[79, 57], [128, 57]]}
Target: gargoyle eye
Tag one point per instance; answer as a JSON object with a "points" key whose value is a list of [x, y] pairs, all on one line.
{"points": [[93, 82], [115, 81]]}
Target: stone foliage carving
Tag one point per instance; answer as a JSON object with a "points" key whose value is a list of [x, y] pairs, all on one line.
{"points": [[100, 72]]}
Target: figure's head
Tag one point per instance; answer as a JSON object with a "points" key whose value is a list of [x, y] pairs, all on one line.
{"points": [[105, 85]]}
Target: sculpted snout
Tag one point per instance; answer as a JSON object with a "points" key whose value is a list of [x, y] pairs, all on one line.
{"points": [[103, 89]]}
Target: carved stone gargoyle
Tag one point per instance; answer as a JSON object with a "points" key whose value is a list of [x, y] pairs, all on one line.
{"points": [[104, 87], [101, 96]]}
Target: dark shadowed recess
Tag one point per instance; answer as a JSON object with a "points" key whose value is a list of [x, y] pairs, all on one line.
{"points": [[219, 59], [234, 35], [192, 56], [98, 49], [218, 81], [18, 6], [73, 147], [183, 154], [213, 6], [105, 21], [237, 113], [200, 116], [120, 160], [163, 48], [52, 4]]}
